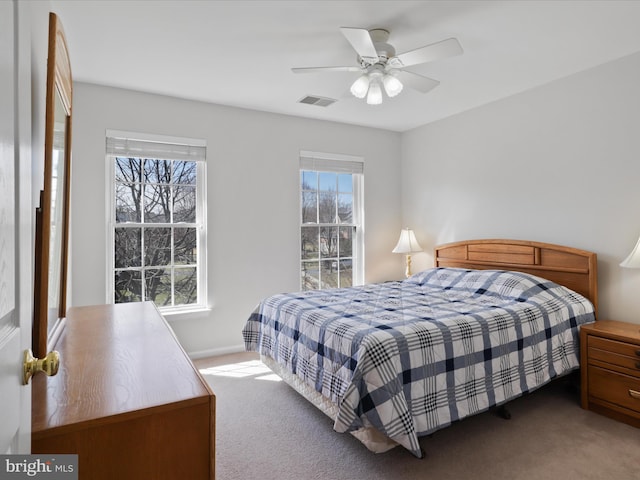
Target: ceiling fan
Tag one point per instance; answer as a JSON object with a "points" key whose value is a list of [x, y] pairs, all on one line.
{"points": [[381, 68]]}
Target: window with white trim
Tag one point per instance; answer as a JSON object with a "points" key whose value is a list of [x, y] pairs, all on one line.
{"points": [[331, 216], [157, 216]]}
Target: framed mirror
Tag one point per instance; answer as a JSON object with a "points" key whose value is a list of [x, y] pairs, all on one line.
{"points": [[52, 216]]}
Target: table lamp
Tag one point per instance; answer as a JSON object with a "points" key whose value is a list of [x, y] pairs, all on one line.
{"points": [[633, 260], [407, 244]]}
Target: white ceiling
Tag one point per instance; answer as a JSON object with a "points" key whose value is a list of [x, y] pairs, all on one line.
{"points": [[240, 53]]}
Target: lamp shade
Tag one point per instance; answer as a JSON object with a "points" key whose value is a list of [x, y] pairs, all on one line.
{"points": [[407, 242], [374, 97], [360, 87], [392, 85], [633, 260]]}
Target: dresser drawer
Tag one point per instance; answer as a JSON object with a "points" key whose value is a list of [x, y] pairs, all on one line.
{"points": [[613, 352], [616, 388]]}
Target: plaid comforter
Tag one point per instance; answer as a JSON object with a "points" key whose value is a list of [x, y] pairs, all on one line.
{"points": [[410, 357]]}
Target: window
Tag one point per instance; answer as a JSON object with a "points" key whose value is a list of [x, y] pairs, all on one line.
{"points": [[157, 216], [331, 237]]}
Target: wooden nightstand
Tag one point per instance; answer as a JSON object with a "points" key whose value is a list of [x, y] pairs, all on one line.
{"points": [[610, 369]]}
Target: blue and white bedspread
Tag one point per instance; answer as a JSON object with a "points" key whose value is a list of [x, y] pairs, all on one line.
{"points": [[410, 357]]}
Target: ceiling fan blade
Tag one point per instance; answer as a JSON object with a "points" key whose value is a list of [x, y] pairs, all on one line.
{"points": [[417, 82], [360, 40], [325, 69], [435, 51]]}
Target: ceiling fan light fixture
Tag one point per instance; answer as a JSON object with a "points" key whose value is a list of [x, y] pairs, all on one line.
{"points": [[380, 68], [374, 97], [360, 86], [392, 85]]}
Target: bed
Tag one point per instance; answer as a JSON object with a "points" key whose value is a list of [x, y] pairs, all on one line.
{"points": [[391, 362]]}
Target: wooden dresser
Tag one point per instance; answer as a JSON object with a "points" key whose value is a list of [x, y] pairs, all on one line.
{"points": [[610, 359], [127, 399]]}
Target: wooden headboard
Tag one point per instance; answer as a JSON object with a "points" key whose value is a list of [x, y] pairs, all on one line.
{"points": [[573, 268]]}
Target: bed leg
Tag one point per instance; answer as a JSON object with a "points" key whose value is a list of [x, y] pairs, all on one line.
{"points": [[503, 412]]}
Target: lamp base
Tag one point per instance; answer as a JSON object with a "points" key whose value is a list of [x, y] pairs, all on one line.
{"points": [[407, 271]]}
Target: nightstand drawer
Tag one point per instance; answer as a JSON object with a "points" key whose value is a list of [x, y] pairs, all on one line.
{"points": [[614, 346], [616, 388], [616, 353]]}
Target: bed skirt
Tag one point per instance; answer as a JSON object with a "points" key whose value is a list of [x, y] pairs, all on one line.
{"points": [[370, 437]]}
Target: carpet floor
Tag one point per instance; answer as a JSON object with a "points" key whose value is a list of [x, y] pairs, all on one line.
{"points": [[266, 430]]}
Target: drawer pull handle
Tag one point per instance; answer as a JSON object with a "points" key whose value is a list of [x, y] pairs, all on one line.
{"points": [[638, 352], [634, 394], [637, 364]]}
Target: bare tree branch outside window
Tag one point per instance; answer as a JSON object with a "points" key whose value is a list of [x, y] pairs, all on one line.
{"points": [[327, 229], [155, 237]]}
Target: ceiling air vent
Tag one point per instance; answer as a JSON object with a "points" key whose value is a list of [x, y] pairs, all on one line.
{"points": [[318, 101]]}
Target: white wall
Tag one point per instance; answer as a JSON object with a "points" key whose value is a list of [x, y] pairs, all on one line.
{"points": [[253, 206], [557, 164]]}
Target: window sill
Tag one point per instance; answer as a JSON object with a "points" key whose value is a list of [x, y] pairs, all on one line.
{"points": [[179, 314]]}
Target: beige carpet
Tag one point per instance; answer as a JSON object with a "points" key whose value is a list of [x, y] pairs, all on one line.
{"points": [[266, 430]]}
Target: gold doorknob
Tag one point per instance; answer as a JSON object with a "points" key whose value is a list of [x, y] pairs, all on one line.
{"points": [[32, 365]]}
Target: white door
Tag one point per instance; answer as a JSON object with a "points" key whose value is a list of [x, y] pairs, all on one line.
{"points": [[16, 220]]}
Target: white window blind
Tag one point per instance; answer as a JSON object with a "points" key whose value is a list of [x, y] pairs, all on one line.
{"points": [[325, 162], [127, 144]]}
